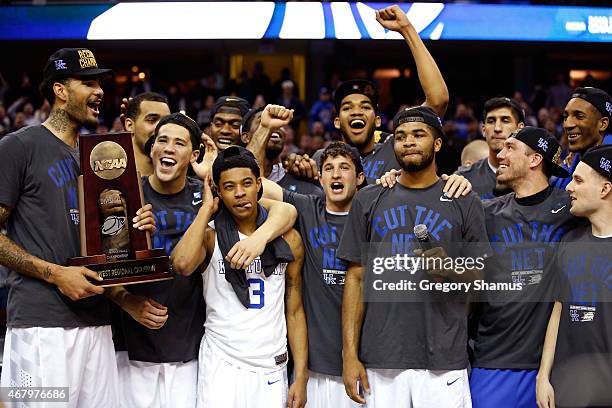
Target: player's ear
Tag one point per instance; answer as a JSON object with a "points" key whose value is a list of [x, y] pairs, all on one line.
{"points": [[337, 123], [604, 124], [194, 156], [360, 179], [129, 124], [245, 138], [520, 125], [606, 189], [377, 121], [60, 90], [437, 144]]}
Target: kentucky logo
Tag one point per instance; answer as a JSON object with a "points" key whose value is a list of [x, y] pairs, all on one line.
{"points": [[609, 108], [543, 144], [86, 59], [605, 164], [60, 64]]}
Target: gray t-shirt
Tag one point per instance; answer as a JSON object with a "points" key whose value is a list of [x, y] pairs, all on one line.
{"points": [[323, 285], [524, 234], [426, 334], [179, 339], [38, 179], [582, 371]]}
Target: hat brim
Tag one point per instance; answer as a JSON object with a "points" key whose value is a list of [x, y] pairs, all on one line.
{"points": [[559, 171], [96, 72]]}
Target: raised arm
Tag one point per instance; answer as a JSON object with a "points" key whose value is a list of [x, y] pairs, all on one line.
{"points": [[545, 394], [272, 117], [193, 248], [71, 281], [296, 321], [352, 319], [436, 92]]}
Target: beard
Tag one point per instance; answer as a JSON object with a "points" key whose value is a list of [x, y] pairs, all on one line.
{"points": [[79, 115], [426, 160], [272, 153]]}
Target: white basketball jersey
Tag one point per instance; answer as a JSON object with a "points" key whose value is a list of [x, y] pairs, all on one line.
{"points": [[257, 335]]}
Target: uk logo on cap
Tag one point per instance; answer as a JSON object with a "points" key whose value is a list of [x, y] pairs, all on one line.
{"points": [[609, 108], [605, 164], [60, 64], [543, 144]]}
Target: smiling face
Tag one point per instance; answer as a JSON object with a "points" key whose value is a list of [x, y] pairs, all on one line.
{"points": [[82, 99], [582, 123], [514, 162], [415, 146], [225, 129], [172, 153], [585, 189], [498, 125], [238, 189], [339, 180], [357, 120]]}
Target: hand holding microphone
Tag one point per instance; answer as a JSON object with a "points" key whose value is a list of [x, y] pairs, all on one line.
{"points": [[427, 250]]}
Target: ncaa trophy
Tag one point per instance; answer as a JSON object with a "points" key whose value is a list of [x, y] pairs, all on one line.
{"points": [[109, 191]]}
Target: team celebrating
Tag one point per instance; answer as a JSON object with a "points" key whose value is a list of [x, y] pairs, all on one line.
{"points": [[271, 302]]}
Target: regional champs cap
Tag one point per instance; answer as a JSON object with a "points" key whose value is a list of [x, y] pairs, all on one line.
{"points": [[545, 144], [68, 62]]}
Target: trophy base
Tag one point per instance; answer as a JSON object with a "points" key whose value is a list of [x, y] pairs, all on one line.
{"points": [[150, 265]]}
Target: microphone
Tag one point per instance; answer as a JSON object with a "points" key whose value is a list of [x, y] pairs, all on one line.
{"points": [[422, 235]]}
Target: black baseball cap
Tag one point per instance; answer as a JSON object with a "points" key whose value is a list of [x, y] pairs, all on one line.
{"points": [[230, 104], [599, 98], [600, 159], [356, 86], [545, 144], [422, 114], [73, 62], [235, 157]]}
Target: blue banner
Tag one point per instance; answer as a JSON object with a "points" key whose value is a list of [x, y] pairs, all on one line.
{"points": [[302, 20]]}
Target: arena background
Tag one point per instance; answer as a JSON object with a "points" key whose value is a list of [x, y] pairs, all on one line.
{"points": [[194, 52]]}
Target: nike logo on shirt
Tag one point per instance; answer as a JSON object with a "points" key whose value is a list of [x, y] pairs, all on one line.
{"points": [[557, 210], [444, 197], [449, 383], [194, 202], [272, 382]]}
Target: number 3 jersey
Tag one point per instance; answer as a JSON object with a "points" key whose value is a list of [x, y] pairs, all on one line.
{"points": [[255, 337]]}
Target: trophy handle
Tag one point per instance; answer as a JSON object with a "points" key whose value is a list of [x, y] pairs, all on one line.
{"points": [[82, 223], [149, 244]]}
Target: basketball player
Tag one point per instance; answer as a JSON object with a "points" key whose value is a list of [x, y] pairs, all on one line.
{"points": [[576, 368], [356, 101], [320, 223], [414, 352], [163, 322], [525, 227], [501, 117], [142, 115], [55, 337], [225, 120], [244, 351], [586, 122]]}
